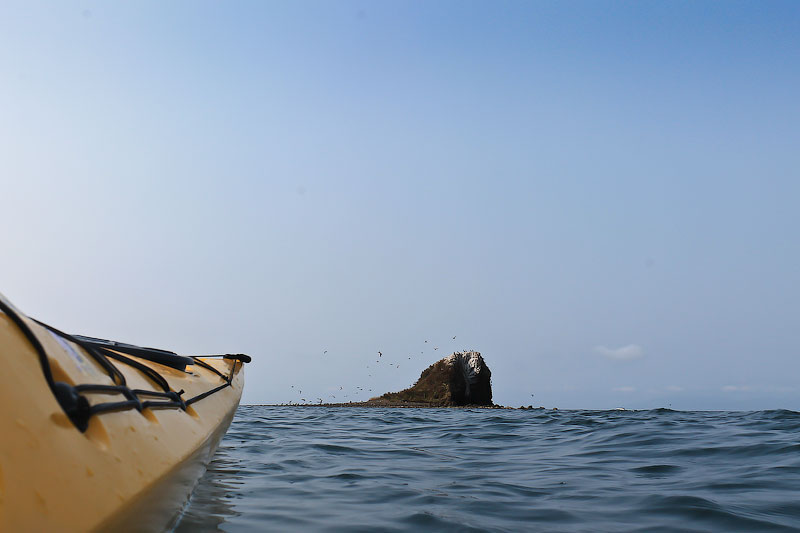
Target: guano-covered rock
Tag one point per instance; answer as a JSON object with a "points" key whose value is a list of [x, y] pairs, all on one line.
{"points": [[461, 378]]}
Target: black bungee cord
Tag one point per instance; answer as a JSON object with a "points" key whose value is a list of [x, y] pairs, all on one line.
{"points": [[77, 407]]}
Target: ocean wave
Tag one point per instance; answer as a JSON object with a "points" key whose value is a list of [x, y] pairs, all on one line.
{"points": [[340, 469]]}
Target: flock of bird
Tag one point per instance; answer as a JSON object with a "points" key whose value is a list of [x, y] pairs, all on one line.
{"points": [[357, 390]]}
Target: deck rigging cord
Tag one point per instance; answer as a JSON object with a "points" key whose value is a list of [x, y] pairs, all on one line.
{"points": [[72, 398]]}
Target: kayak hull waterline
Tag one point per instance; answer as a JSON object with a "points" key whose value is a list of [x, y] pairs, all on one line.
{"points": [[129, 469]]}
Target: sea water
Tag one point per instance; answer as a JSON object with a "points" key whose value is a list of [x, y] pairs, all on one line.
{"points": [[381, 469]]}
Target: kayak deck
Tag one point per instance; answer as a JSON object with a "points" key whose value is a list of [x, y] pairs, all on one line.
{"points": [[132, 465]]}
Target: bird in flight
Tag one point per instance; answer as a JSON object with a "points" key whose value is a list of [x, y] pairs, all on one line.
{"points": [[326, 351], [435, 347], [454, 337]]}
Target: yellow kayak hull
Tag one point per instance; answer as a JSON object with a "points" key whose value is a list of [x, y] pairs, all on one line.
{"points": [[130, 470]]}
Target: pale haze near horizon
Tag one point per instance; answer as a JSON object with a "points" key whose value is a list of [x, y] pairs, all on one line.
{"points": [[599, 197]]}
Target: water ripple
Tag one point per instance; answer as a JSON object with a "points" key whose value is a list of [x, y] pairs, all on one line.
{"points": [[340, 469]]}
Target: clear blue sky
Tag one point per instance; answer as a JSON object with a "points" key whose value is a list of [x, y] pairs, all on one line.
{"points": [[601, 197]]}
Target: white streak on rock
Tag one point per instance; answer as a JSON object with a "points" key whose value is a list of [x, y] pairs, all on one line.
{"points": [[470, 363]]}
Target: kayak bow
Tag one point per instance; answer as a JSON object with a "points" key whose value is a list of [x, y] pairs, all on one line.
{"points": [[102, 435]]}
